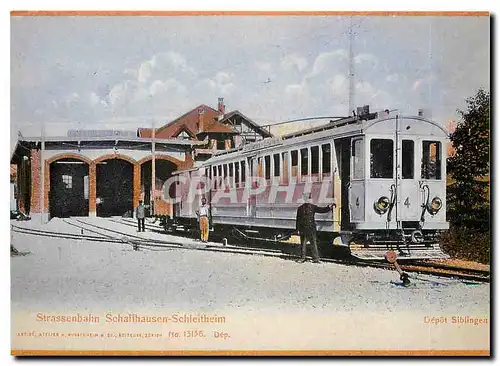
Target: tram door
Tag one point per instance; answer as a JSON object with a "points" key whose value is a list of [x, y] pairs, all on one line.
{"points": [[342, 151], [407, 182]]}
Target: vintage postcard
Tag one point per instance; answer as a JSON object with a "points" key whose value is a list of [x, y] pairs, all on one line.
{"points": [[250, 183]]}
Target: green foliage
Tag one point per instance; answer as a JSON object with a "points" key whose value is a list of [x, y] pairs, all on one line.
{"points": [[468, 200], [468, 194], [467, 244]]}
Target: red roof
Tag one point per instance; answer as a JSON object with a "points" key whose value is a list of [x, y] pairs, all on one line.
{"points": [[188, 121]]}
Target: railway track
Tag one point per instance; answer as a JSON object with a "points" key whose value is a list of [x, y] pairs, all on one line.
{"points": [[103, 234]]}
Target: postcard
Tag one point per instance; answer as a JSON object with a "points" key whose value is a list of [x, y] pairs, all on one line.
{"points": [[250, 183]]}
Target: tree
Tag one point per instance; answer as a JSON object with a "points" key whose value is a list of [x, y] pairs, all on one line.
{"points": [[469, 168]]}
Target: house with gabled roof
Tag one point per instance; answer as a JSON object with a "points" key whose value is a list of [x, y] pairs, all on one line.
{"points": [[219, 130]]}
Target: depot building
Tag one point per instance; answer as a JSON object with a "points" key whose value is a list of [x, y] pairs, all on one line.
{"points": [[95, 173], [106, 172]]}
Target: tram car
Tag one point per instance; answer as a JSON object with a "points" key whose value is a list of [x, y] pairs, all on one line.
{"points": [[385, 173]]}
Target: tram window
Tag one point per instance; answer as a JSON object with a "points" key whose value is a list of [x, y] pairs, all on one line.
{"points": [[231, 174], [295, 162], [314, 160], [219, 176], [243, 173], [267, 164], [260, 167], [304, 161], [284, 158], [214, 177], [408, 159], [358, 160], [431, 160], [381, 158], [326, 149], [237, 173], [277, 167], [224, 182]]}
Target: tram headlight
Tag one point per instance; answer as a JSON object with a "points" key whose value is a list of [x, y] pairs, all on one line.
{"points": [[382, 205], [435, 205]]}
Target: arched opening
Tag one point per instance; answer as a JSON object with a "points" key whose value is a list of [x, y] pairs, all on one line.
{"points": [[114, 188], [69, 188], [163, 171]]}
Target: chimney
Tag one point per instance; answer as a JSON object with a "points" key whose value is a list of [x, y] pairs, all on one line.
{"points": [[221, 108], [201, 126]]}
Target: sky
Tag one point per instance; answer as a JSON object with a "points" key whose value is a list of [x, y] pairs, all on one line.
{"points": [[127, 72]]}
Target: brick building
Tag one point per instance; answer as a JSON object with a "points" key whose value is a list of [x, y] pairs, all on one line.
{"points": [[94, 173], [106, 173]]}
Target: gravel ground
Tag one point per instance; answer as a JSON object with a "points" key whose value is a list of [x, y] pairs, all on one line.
{"points": [[65, 273]]}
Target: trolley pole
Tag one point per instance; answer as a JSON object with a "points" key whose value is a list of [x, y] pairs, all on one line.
{"points": [[42, 174], [153, 168]]}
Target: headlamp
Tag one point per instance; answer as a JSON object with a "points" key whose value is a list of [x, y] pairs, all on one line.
{"points": [[435, 205], [382, 205]]}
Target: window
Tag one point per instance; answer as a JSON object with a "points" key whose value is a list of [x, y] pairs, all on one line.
{"points": [[237, 172], [183, 135], [214, 176], [277, 167], [408, 158], [231, 174], [225, 180], [86, 187], [381, 158], [326, 150], [314, 160], [267, 166], [221, 145], [295, 162], [431, 160], [243, 173], [67, 181], [358, 161], [304, 161], [286, 172], [219, 176]]}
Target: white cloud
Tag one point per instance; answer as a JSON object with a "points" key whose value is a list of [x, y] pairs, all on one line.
{"points": [[145, 70], [328, 60], [294, 61], [366, 58], [339, 85]]}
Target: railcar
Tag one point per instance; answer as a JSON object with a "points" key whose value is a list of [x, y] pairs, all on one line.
{"points": [[385, 172]]}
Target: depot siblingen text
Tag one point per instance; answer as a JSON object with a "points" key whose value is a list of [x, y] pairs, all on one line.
{"points": [[130, 318]]}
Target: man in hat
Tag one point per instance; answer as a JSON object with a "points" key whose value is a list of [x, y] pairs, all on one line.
{"points": [[203, 212], [140, 214], [306, 226]]}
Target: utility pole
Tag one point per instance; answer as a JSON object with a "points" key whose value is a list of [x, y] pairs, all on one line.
{"points": [[430, 66], [153, 168], [42, 174], [351, 69]]}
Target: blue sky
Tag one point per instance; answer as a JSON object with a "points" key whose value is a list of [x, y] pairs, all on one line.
{"points": [[124, 72]]}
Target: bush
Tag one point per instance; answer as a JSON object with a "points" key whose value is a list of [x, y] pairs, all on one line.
{"points": [[467, 244]]}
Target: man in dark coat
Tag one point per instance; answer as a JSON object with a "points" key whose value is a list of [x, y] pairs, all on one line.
{"points": [[306, 226]]}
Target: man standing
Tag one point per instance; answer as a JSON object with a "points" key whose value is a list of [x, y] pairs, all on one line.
{"points": [[203, 212], [140, 213], [306, 226]]}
